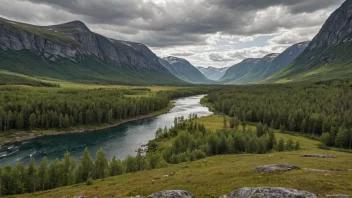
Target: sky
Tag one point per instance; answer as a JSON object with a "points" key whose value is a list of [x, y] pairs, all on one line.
{"points": [[214, 33]]}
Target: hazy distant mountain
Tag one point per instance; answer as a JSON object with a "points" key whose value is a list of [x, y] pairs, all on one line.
{"points": [[184, 70], [255, 70], [328, 55], [213, 73], [72, 52]]}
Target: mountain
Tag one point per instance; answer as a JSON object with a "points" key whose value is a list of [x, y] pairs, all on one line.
{"points": [[258, 69], [213, 73], [328, 56], [184, 70], [72, 52]]}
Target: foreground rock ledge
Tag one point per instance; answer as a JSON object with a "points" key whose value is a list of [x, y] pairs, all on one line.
{"points": [[275, 167], [172, 194], [266, 192], [319, 155]]}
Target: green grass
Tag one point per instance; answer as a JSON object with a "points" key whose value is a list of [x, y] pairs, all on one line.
{"points": [[219, 175], [10, 78]]}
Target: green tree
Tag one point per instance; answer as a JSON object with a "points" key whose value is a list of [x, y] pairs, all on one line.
{"points": [[297, 146], [101, 164], [20, 121], [115, 167], [54, 174], [280, 145], [86, 166], [43, 176], [289, 145], [32, 121], [32, 176], [68, 166], [342, 137]]}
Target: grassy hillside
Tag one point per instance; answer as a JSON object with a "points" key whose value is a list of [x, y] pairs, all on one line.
{"points": [[86, 70], [219, 175], [10, 78], [328, 63]]}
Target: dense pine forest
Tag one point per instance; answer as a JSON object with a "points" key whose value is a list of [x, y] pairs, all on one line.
{"points": [[321, 109], [24, 108]]}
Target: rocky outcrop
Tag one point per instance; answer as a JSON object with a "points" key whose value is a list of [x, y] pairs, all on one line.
{"points": [[172, 194], [275, 167], [319, 155], [336, 30], [267, 192]]}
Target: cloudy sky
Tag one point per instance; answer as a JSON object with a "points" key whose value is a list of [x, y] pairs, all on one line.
{"points": [[206, 32]]}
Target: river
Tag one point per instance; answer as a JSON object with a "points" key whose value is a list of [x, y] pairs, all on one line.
{"points": [[120, 141]]}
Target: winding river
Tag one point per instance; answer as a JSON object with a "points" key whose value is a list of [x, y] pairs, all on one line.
{"points": [[119, 141]]}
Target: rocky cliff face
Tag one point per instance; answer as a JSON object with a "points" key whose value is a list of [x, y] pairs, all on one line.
{"points": [[336, 30], [74, 39]]}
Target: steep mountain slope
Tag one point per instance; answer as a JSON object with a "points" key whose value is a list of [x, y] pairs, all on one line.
{"points": [[72, 52], [254, 70], [184, 70], [213, 73], [248, 71], [328, 55]]}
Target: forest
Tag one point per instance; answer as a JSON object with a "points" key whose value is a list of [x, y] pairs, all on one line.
{"points": [[320, 109], [24, 108], [190, 141]]}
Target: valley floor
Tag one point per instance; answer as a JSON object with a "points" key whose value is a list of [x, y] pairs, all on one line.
{"points": [[219, 175]]}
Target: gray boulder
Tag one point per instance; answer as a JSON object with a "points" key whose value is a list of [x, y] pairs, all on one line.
{"points": [[275, 167], [319, 155], [172, 194], [267, 192]]}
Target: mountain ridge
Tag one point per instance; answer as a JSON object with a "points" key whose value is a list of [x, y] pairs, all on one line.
{"points": [[72, 43], [184, 70], [253, 70]]}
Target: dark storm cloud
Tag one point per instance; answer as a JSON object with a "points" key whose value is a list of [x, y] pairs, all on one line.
{"points": [[296, 6], [186, 22]]}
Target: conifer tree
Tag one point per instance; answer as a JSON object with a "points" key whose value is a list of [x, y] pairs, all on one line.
{"points": [[43, 176], [101, 164]]}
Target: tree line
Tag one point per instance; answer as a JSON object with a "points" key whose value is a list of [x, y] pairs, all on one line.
{"points": [[56, 108], [316, 109], [20, 179]]}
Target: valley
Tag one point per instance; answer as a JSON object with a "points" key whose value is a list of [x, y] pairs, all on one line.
{"points": [[212, 98]]}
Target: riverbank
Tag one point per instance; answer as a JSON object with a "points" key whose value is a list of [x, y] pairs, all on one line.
{"points": [[12, 137]]}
